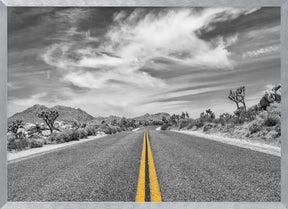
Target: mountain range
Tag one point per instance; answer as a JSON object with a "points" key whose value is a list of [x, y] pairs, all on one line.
{"points": [[69, 114]]}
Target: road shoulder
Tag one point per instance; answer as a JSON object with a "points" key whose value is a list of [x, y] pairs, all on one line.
{"points": [[25, 154], [256, 146]]}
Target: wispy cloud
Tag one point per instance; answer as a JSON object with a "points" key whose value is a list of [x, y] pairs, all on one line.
{"points": [[261, 51], [128, 61], [135, 39]]}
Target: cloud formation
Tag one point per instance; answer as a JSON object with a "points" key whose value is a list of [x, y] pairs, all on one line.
{"points": [[129, 61], [134, 39]]}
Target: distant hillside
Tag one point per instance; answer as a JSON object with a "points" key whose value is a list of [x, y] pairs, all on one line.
{"points": [[153, 117], [67, 114], [108, 120]]}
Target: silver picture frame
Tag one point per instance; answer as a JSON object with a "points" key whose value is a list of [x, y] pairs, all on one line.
{"points": [[143, 3]]}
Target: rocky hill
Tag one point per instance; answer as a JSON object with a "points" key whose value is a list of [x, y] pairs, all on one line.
{"points": [[152, 117], [67, 114]]}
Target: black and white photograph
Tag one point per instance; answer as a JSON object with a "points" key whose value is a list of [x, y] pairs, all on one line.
{"points": [[144, 104]]}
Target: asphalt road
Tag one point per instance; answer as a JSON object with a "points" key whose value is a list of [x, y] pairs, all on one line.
{"points": [[106, 169]]}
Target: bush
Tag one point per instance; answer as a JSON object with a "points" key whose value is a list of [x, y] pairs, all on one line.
{"points": [[82, 133], [90, 131], [62, 137], [36, 143], [73, 135], [255, 127], [66, 136], [208, 126], [191, 123], [207, 116], [199, 123], [164, 127], [53, 136], [252, 112], [106, 129], [272, 119], [278, 129], [57, 137], [273, 115], [114, 130], [17, 144], [183, 123]]}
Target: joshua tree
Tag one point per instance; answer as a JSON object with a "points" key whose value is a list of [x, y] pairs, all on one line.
{"points": [[14, 126], [208, 115], [238, 97], [183, 115], [49, 118]]}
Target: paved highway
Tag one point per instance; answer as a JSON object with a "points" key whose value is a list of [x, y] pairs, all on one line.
{"points": [[156, 166]]}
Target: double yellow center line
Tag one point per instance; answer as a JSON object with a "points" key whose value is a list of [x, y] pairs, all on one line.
{"points": [[153, 182]]}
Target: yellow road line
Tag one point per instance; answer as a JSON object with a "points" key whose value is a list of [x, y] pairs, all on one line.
{"points": [[154, 187], [140, 196]]}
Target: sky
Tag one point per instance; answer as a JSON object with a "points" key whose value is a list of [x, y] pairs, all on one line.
{"points": [[132, 61]]}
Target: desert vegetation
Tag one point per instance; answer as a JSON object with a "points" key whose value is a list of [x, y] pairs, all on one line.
{"points": [[21, 135], [261, 122], [258, 122]]}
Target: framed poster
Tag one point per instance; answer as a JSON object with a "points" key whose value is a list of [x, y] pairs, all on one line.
{"points": [[143, 104]]}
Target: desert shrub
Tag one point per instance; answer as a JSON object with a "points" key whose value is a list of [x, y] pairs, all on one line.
{"points": [[129, 129], [164, 126], [275, 108], [52, 137], [224, 119], [255, 127], [190, 123], [272, 119], [273, 115], [263, 115], [240, 116], [114, 129], [207, 116], [36, 143], [73, 135], [64, 136], [13, 126], [118, 129], [278, 129], [208, 126], [199, 123], [17, 144], [252, 112], [183, 123], [82, 133], [90, 131], [108, 130], [11, 142], [47, 140], [11, 137], [272, 135], [56, 138]]}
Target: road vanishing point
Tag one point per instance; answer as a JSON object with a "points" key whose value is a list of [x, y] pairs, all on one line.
{"points": [[147, 166]]}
